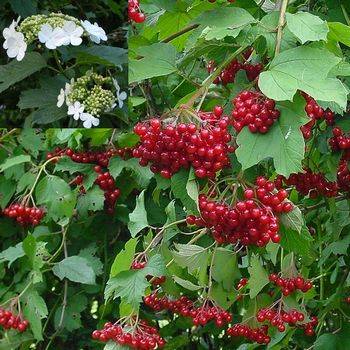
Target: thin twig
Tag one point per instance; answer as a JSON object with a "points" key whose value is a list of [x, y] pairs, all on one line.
{"points": [[281, 23]]}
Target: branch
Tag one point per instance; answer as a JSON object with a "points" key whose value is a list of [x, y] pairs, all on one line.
{"points": [[323, 204], [281, 23], [179, 33]]}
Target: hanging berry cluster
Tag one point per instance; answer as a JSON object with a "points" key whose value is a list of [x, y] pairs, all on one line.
{"points": [[104, 179], [277, 317], [309, 184], [253, 109], [340, 140], [258, 335], [134, 12], [24, 215], [183, 306], [289, 285], [252, 221], [140, 336], [315, 112], [170, 147], [228, 74], [10, 321]]}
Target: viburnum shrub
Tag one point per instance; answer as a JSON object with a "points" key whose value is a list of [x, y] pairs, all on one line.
{"points": [[56, 54], [216, 216], [242, 116]]}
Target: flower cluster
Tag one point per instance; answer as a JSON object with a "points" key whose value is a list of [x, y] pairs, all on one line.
{"points": [[90, 96], [53, 30]]}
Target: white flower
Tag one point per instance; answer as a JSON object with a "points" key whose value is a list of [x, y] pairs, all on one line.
{"points": [[52, 38], [89, 120], [61, 98], [76, 109], [72, 33], [14, 43], [121, 95], [95, 31]]}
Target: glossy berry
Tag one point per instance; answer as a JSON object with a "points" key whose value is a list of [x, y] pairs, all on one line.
{"points": [[10, 321], [169, 147], [24, 215], [258, 335], [140, 336], [254, 110], [252, 221], [134, 11], [200, 315], [289, 285]]}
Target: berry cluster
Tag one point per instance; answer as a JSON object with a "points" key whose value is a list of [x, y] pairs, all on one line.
{"points": [[134, 11], [8, 320], [168, 148], [309, 183], [340, 141], [94, 157], [309, 326], [144, 337], [107, 184], [200, 315], [229, 73], [289, 285], [343, 174], [315, 112], [24, 215], [104, 179], [278, 318], [251, 221], [254, 110], [258, 335]]}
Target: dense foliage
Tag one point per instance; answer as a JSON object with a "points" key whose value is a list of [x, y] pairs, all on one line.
{"points": [[49, 47], [216, 216]]}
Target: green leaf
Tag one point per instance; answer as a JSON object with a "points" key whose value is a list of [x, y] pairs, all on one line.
{"points": [[102, 54], [333, 341], [29, 247], [143, 175], [56, 194], [186, 284], [24, 8], [16, 71], [111, 345], [296, 242], [258, 276], [71, 317], [10, 162], [7, 190], [130, 285], [138, 218], [187, 194], [225, 17], [94, 262], [284, 142], [340, 32], [306, 69], [35, 310], [92, 200], [67, 164], [293, 220], [194, 257], [76, 269], [124, 258], [225, 268], [11, 254], [307, 27], [162, 56], [32, 141]]}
